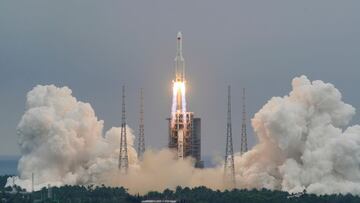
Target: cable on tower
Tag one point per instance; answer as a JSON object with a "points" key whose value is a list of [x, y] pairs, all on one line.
{"points": [[123, 156], [229, 167], [243, 146], [141, 141]]}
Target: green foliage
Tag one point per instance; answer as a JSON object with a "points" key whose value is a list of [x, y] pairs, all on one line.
{"points": [[92, 193], [203, 194]]}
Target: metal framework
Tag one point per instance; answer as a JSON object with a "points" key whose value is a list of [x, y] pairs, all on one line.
{"points": [[123, 156], [141, 141], [181, 134], [243, 146], [229, 166]]}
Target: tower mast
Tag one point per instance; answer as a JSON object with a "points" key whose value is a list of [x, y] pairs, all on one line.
{"points": [[141, 141], [123, 156], [243, 146], [32, 182], [229, 168]]}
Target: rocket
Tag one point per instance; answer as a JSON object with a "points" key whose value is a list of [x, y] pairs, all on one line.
{"points": [[179, 120], [184, 133], [179, 60]]}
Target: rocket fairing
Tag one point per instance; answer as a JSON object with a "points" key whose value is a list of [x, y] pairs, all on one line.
{"points": [[179, 60]]}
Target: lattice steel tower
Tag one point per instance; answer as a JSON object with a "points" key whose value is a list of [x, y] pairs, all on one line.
{"points": [[243, 146], [123, 156], [229, 168], [141, 141]]}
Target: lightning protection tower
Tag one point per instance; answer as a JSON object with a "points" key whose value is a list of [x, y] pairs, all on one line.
{"points": [[141, 141], [243, 146], [32, 182], [123, 156], [229, 168]]}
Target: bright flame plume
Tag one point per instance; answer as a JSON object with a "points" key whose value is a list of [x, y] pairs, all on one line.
{"points": [[179, 100]]}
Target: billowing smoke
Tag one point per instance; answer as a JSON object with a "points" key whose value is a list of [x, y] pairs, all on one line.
{"points": [[303, 145], [61, 141]]}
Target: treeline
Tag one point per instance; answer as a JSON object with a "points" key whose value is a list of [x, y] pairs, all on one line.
{"points": [[203, 194], [199, 195]]}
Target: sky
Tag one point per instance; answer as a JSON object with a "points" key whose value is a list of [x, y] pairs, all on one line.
{"points": [[95, 47]]}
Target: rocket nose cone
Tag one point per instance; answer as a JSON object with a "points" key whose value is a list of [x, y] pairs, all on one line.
{"points": [[179, 35]]}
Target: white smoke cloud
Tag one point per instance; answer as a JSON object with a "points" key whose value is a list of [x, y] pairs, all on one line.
{"points": [[303, 144], [61, 140]]}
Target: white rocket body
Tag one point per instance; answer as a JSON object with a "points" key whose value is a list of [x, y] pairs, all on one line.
{"points": [[179, 60], [179, 102]]}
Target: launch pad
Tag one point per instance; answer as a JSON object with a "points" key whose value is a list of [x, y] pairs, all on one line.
{"points": [[186, 142]]}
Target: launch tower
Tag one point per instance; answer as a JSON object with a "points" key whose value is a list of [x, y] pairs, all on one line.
{"points": [[123, 156], [243, 146], [184, 128], [229, 166], [141, 141]]}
